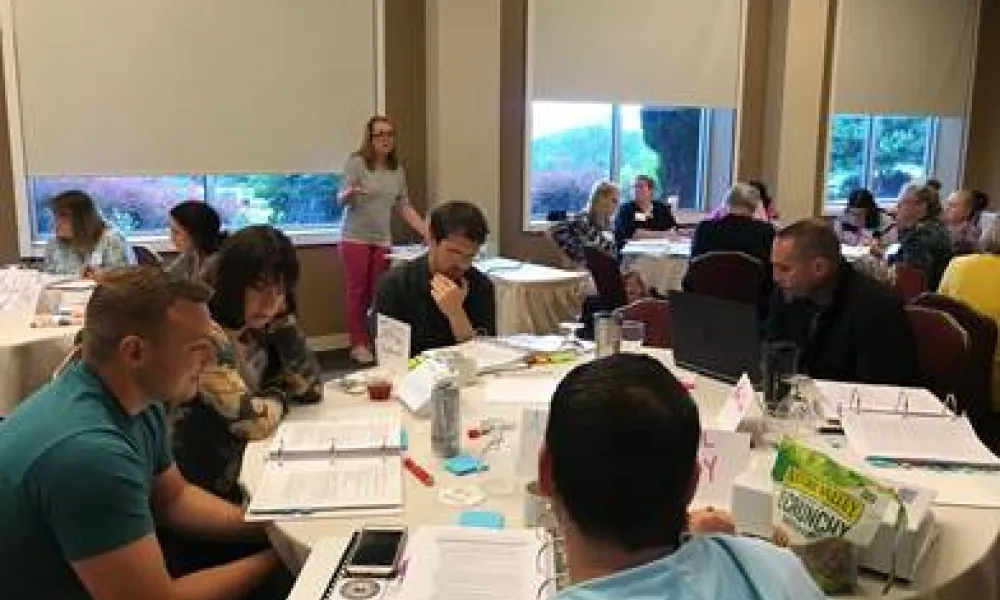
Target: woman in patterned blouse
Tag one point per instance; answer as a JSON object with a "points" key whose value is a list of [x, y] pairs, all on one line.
{"points": [[590, 228], [83, 244], [262, 362]]}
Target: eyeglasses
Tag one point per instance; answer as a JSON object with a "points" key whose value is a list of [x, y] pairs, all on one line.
{"points": [[383, 134]]}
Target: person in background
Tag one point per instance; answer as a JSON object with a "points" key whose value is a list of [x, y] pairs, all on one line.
{"points": [[87, 469], [441, 295], [620, 464], [935, 184], [847, 326], [924, 242], [738, 231], [864, 222], [83, 244], [590, 228], [644, 217], [975, 280], [195, 230], [767, 211], [374, 186], [961, 216], [262, 364]]}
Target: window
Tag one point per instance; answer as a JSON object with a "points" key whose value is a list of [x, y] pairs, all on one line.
{"points": [[881, 153], [140, 206], [574, 144]]}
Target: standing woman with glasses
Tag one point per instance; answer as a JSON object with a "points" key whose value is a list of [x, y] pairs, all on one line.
{"points": [[374, 184]]}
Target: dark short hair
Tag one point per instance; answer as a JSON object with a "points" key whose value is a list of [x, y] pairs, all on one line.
{"points": [[812, 238], [133, 301], [649, 181], [202, 224], [863, 198], [623, 438], [254, 255], [765, 197], [459, 217]]}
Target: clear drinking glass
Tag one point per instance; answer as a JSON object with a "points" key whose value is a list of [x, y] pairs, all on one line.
{"points": [[500, 458], [633, 336]]}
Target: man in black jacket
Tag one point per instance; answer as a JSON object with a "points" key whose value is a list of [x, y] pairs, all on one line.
{"points": [[847, 326]]}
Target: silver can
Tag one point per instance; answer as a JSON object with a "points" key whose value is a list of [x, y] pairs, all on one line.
{"points": [[607, 334], [446, 433]]}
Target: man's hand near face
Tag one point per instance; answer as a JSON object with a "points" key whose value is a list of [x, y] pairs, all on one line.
{"points": [[450, 298]]}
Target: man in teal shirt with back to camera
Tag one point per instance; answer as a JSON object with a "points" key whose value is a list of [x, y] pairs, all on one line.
{"points": [[620, 465], [86, 465]]}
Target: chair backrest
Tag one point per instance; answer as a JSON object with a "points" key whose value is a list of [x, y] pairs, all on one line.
{"points": [[910, 281], [146, 256], [975, 385], [654, 313], [728, 275], [942, 349], [607, 277]]}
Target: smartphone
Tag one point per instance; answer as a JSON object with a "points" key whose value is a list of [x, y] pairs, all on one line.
{"points": [[377, 552]]}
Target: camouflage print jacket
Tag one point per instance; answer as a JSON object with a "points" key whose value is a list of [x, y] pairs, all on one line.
{"points": [[926, 246], [242, 398]]}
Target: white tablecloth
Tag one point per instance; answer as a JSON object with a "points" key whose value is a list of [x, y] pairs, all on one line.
{"points": [[661, 263], [28, 357], [964, 564], [534, 298]]}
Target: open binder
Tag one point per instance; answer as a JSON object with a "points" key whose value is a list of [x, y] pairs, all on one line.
{"points": [[319, 467]]}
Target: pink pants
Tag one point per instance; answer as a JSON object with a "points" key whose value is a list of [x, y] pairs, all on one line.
{"points": [[363, 265]]}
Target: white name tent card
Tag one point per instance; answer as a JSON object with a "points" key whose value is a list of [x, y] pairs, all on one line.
{"points": [[392, 345], [722, 456], [737, 406]]}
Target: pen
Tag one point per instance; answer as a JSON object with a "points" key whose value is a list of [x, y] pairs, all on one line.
{"points": [[419, 472]]}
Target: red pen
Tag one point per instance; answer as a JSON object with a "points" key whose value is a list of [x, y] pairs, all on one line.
{"points": [[419, 472]]}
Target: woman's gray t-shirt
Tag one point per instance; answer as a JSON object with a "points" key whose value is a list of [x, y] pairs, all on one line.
{"points": [[368, 217]]}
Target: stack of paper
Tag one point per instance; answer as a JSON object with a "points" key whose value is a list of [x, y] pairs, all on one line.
{"points": [[916, 439], [376, 433], [454, 563], [491, 355], [19, 293]]}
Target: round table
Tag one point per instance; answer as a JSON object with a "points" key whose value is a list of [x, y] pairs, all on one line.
{"points": [[964, 564], [28, 357], [534, 298]]}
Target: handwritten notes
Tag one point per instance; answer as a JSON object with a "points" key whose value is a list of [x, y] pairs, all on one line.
{"points": [[392, 345], [737, 406], [722, 456]]}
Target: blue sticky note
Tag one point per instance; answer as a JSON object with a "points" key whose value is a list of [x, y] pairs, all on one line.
{"points": [[404, 440], [463, 464], [484, 519]]}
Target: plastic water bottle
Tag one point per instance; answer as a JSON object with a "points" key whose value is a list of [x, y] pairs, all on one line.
{"points": [[445, 419]]}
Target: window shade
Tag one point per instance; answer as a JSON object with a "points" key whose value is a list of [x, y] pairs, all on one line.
{"points": [[678, 52], [907, 57], [193, 86]]}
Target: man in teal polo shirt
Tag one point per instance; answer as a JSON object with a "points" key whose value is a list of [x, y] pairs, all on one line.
{"points": [[85, 465]]}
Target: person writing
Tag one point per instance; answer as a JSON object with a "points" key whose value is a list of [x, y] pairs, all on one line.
{"points": [[620, 464], [443, 298], [87, 468], [83, 244], [864, 222], [374, 186], [195, 231], [644, 217]]}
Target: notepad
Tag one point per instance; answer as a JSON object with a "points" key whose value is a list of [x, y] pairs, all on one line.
{"points": [[916, 439], [377, 433], [300, 487]]}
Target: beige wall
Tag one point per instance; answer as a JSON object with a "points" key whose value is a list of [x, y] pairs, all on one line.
{"points": [[982, 166]]}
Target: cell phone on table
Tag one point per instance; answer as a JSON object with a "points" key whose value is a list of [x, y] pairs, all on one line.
{"points": [[376, 552]]}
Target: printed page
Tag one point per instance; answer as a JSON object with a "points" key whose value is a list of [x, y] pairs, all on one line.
{"points": [[453, 563], [932, 440], [303, 486], [489, 354], [358, 434]]}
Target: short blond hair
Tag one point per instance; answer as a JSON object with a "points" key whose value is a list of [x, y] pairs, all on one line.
{"points": [[603, 188]]}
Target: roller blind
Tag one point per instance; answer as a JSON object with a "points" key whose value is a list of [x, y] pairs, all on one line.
{"points": [[193, 86], [910, 57], [679, 52]]}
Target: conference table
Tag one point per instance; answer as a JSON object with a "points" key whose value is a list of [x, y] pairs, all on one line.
{"points": [[662, 263], [963, 564], [28, 357], [530, 298]]}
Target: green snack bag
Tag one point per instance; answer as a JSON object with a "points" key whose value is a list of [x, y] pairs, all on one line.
{"points": [[826, 511]]}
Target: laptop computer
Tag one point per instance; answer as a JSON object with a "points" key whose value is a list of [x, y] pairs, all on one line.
{"points": [[715, 337]]}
